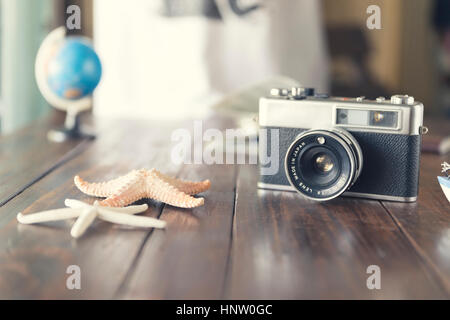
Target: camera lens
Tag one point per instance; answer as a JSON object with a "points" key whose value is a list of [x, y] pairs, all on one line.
{"points": [[322, 164]]}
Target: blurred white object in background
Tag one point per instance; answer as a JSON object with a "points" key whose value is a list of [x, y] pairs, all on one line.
{"points": [[172, 59]]}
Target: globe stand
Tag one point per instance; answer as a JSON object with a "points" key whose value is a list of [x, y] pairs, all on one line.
{"points": [[70, 131]]}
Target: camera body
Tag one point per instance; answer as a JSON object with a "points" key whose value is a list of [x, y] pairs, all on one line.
{"points": [[330, 146]]}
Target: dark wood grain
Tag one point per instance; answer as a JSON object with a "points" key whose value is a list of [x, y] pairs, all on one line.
{"points": [[27, 155], [33, 259], [426, 223], [287, 247], [243, 243], [189, 260]]}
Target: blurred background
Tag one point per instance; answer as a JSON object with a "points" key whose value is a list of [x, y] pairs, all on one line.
{"points": [[172, 58]]}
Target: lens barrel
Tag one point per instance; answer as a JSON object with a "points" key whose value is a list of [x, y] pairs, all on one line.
{"points": [[322, 164]]}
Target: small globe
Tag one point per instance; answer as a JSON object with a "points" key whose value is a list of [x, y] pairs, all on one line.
{"points": [[73, 69]]}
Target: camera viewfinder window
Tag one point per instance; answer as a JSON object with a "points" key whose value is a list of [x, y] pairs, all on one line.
{"points": [[369, 118], [385, 119]]}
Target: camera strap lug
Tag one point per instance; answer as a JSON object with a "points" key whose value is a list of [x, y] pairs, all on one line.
{"points": [[423, 130]]}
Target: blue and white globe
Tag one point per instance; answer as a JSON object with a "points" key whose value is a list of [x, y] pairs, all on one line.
{"points": [[67, 71], [74, 70]]}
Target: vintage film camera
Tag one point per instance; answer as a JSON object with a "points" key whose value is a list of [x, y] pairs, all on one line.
{"points": [[330, 146]]}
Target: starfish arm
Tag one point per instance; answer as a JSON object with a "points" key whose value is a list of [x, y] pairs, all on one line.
{"points": [[188, 187], [75, 204], [160, 190], [130, 220], [125, 210], [49, 215], [83, 222], [104, 189]]}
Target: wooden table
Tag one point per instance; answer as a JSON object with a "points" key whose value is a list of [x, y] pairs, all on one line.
{"points": [[243, 243]]}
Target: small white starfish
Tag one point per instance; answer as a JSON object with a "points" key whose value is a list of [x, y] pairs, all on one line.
{"points": [[86, 214]]}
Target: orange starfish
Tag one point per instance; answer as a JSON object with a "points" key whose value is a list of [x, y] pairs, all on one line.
{"points": [[144, 183]]}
